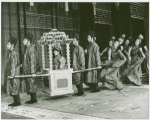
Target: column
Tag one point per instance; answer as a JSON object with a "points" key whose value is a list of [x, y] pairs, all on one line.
{"points": [[50, 57], [43, 57], [68, 55]]}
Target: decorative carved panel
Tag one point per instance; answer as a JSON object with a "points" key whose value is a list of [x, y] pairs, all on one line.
{"points": [[36, 21], [104, 6], [66, 23], [103, 13], [138, 10]]}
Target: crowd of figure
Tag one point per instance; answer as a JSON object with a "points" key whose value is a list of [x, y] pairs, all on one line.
{"points": [[119, 62]]}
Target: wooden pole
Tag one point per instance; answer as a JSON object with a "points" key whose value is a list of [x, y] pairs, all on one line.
{"points": [[56, 16], [21, 76], [131, 25], [52, 15], [68, 55], [43, 57], [24, 16], [50, 57], [9, 19], [37, 75], [143, 75], [19, 36], [85, 70]]}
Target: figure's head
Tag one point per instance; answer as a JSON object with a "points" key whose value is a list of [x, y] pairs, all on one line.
{"points": [[94, 38], [27, 40], [76, 39], [90, 38], [111, 43], [129, 37], [56, 52], [113, 38], [141, 36], [116, 44], [127, 42], [57, 49], [137, 42], [123, 35], [120, 41], [11, 43]]}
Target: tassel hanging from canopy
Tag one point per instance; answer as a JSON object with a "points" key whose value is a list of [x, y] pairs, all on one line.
{"points": [[117, 5], [31, 5], [94, 8], [66, 8]]}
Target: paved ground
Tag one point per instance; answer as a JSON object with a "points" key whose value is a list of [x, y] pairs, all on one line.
{"points": [[12, 116], [129, 103], [39, 113]]}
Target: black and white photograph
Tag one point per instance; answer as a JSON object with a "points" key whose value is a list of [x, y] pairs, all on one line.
{"points": [[74, 60]]}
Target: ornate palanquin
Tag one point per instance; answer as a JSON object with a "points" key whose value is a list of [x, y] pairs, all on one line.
{"points": [[60, 81]]}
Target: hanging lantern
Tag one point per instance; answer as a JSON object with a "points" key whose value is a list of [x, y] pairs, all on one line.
{"points": [[66, 8], [76, 6], [73, 5], [117, 5], [31, 4], [94, 8]]}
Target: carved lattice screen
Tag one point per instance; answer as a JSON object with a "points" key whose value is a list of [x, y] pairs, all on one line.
{"points": [[36, 21], [66, 23], [103, 13], [138, 10]]}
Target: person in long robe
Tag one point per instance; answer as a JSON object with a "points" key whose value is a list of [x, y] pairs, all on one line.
{"points": [[29, 68], [93, 61], [140, 37], [134, 73], [78, 64], [121, 41], [12, 84], [104, 55], [146, 61], [126, 51], [59, 60], [123, 37], [110, 76]]}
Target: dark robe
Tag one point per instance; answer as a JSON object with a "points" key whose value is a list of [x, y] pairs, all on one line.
{"points": [[93, 61], [59, 63], [110, 75], [29, 67], [133, 73], [78, 63], [12, 86]]}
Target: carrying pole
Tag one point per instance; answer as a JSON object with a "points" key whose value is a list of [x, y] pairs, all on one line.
{"points": [[38, 75], [87, 70]]}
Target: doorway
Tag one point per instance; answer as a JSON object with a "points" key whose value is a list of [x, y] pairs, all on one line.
{"points": [[102, 32], [137, 28], [86, 22]]}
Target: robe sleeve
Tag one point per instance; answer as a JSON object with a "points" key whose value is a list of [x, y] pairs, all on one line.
{"points": [[32, 61], [105, 50], [13, 65], [97, 56], [121, 55], [109, 53], [140, 49], [81, 58]]}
